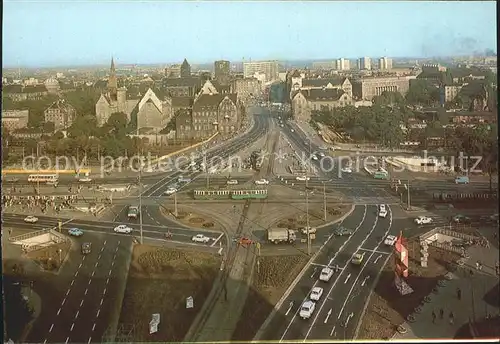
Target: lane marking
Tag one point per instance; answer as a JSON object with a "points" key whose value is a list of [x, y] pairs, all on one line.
{"points": [[338, 277], [107, 280], [105, 241], [72, 325], [216, 240], [113, 262], [67, 340], [376, 260], [67, 292], [77, 313], [72, 282], [99, 257], [104, 292], [326, 266], [374, 251], [90, 281], [90, 339], [63, 301], [364, 266], [51, 327], [45, 341], [93, 273], [102, 248], [96, 263], [364, 281], [81, 303], [102, 300], [86, 291], [79, 266], [331, 260], [59, 311], [93, 327], [76, 273], [109, 274], [289, 309], [333, 329], [98, 312], [347, 278]]}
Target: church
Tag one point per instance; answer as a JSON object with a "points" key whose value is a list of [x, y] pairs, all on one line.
{"points": [[150, 111]]}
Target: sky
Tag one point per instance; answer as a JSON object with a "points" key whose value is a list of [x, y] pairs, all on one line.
{"points": [[56, 33]]}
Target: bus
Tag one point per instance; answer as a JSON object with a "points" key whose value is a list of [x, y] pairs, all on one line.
{"points": [[381, 174], [43, 178], [133, 212]]}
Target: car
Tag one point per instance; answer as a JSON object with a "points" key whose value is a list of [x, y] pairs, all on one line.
{"points": [[310, 230], [382, 213], [123, 229], [86, 248], [307, 309], [316, 293], [390, 240], [85, 180], [321, 154], [200, 238], [381, 207], [341, 231], [461, 219], [302, 178], [183, 179], [232, 182], [292, 130], [262, 182], [346, 170], [77, 232], [314, 157], [358, 258], [421, 220], [31, 219], [326, 274], [170, 191]]}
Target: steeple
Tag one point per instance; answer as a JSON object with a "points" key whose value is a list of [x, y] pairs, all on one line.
{"points": [[112, 82], [185, 69]]}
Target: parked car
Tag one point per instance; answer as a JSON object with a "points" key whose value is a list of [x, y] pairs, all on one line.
{"points": [[390, 240], [307, 309], [316, 293], [326, 274], [461, 219], [302, 178], [462, 180], [422, 220], [31, 219], [200, 238], [123, 229], [85, 180], [346, 170], [170, 191], [382, 213], [86, 248], [232, 182], [77, 232], [306, 230], [341, 231], [262, 182]]}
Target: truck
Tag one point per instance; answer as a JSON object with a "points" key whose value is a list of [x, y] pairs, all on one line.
{"points": [[279, 235], [133, 212]]}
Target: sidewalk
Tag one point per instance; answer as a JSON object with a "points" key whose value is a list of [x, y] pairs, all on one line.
{"points": [[472, 305]]}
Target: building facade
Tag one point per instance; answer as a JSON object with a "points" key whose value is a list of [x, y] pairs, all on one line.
{"points": [[343, 64], [384, 63], [367, 88], [185, 69], [269, 68], [246, 88], [182, 87], [61, 114], [15, 119], [222, 71], [173, 71], [343, 84], [20, 93], [151, 112], [451, 92], [365, 63], [306, 101]]}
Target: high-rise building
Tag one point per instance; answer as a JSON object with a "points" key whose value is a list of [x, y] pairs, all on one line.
{"points": [[222, 69], [269, 68], [384, 63], [343, 64], [365, 63]]}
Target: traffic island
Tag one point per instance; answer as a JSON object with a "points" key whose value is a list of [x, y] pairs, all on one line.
{"points": [[160, 281], [316, 217], [272, 276], [186, 217], [387, 311]]}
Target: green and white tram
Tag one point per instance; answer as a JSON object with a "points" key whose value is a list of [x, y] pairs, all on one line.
{"points": [[230, 194]]}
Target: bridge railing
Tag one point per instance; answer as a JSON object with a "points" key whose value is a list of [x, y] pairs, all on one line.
{"points": [[25, 236]]}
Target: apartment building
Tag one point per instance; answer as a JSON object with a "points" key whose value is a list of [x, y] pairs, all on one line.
{"points": [[369, 87], [364, 63], [343, 64], [61, 114], [384, 63], [269, 68], [15, 119]]}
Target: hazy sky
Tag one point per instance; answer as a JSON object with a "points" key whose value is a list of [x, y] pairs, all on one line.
{"points": [[51, 33]]}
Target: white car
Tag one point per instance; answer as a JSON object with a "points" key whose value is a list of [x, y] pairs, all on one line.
{"points": [[200, 238], [232, 182], [346, 170], [31, 219], [262, 182], [292, 130], [421, 220], [123, 229], [170, 191], [85, 180], [314, 157], [382, 213], [321, 154], [381, 207], [307, 309], [316, 293], [390, 240], [302, 178], [326, 274], [310, 230]]}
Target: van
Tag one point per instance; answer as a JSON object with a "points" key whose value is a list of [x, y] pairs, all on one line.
{"points": [[462, 180]]}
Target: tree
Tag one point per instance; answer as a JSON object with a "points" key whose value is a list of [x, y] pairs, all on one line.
{"points": [[117, 123]]}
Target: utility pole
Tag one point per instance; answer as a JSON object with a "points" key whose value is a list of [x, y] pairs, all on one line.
{"points": [[409, 206], [140, 201], [208, 178], [308, 230], [175, 204]]}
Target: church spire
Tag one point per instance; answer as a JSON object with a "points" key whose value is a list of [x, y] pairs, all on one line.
{"points": [[112, 82]]}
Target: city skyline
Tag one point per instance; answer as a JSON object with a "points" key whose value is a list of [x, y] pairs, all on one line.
{"points": [[97, 30]]}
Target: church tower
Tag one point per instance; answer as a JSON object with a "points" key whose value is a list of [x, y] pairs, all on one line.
{"points": [[185, 69], [112, 82]]}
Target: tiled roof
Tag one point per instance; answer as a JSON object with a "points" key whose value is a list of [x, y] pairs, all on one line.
{"points": [[327, 94], [322, 82], [12, 89], [182, 101], [35, 89], [182, 82], [212, 101]]}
